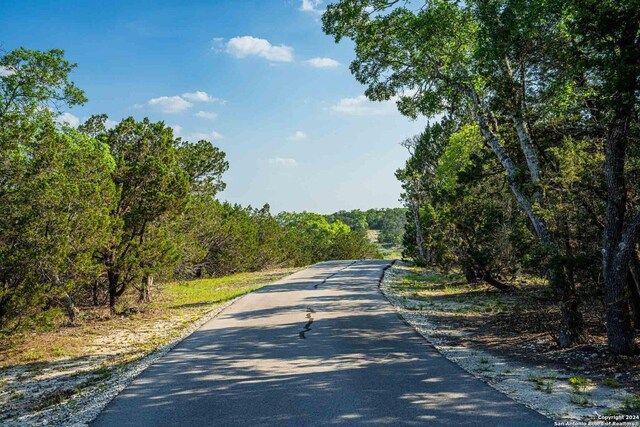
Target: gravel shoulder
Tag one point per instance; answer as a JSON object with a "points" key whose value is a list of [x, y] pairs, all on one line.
{"points": [[559, 393], [66, 376]]}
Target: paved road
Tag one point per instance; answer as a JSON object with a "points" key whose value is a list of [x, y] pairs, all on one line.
{"points": [[310, 351]]}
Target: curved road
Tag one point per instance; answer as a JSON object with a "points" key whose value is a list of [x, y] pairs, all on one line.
{"points": [[320, 347]]}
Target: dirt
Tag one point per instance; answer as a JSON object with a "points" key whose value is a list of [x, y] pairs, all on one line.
{"points": [[505, 340], [516, 332]]}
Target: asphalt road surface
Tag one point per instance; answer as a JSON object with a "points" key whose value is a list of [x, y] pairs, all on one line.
{"points": [[320, 347]]}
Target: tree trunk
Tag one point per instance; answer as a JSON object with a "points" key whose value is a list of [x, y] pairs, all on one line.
{"points": [[619, 238], [419, 240], [571, 326], [571, 330], [94, 292], [633, 287], [113, 291], [616, 253], [488, 277], [145, 290], [619, 331], [469, 273], [69, 308], [634, 269]]}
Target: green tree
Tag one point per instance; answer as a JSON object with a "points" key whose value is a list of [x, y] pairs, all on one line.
{"points": [[54, 188], [607, 53], [150, 186], [392, 229], [355, 219], [34, 80], [446, 56]]}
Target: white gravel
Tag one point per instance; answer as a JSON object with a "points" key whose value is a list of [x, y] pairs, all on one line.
{"points": [[553, 397], [84, 406], [513, 379]]}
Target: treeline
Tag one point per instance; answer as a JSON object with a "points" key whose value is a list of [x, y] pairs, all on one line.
{"points": [[93, 215], [534, 162], [390, 222]]}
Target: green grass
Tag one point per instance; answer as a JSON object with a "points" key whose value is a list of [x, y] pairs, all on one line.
{"points": [[631, 404], [178, 303], [579, 400], [391, 253], [580, 384], [543, 383], [208, 291]]}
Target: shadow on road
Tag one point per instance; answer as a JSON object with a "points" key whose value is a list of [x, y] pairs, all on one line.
{"points": [[358, 365]]}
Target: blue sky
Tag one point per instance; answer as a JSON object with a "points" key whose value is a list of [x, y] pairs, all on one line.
{"points": [[258, 77]]}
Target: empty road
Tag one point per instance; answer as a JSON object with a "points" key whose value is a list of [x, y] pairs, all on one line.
{"points": [[320, 347]]}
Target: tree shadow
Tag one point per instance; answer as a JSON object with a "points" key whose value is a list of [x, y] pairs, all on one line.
{"points": [[358, 365]]}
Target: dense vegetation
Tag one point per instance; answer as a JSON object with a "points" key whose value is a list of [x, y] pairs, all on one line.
{"points": [[531, 161], [389, 222], [93, 214]]}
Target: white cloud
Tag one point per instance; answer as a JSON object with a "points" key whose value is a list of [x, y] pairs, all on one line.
{"points": [[177, 130], [206, 115], [280, 161], [199, 96], [209, 136], [297, 136], [169, 104], [361, 106], [69, 119], [6, 71], [110, 124], [311, 6], [322, 62], [241, 47]]}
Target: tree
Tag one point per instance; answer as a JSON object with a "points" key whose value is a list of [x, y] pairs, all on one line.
{"points": [[392, 229], [355, 219], [34, 80], [54, 189], [417, 179], [150, 186], [310, 238], [607, 49], [446, 57], [196, 229]]}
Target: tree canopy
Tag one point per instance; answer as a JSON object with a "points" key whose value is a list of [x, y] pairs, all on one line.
{"points": [[542, 87]]}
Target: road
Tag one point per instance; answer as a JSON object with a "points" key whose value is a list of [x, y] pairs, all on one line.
{"points": [[320, 347]]}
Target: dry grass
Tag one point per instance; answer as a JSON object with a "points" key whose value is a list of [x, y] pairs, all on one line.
{"points": [[54, 370], [521, 325], [142, 330]]}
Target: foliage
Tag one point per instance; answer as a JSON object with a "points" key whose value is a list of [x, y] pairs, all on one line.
{"points": [[95, 214], [53, 188], [390, 222], [311, 238], [533, 164]]}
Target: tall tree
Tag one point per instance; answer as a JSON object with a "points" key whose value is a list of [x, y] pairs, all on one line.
{"points": [[433, 57], [607, 49], [150, 185], [54, 188]]}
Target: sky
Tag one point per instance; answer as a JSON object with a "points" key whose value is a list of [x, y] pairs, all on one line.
{"points": [[259, 78]]}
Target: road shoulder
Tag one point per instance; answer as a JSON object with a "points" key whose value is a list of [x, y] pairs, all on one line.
{"points": [[547, 390]]}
